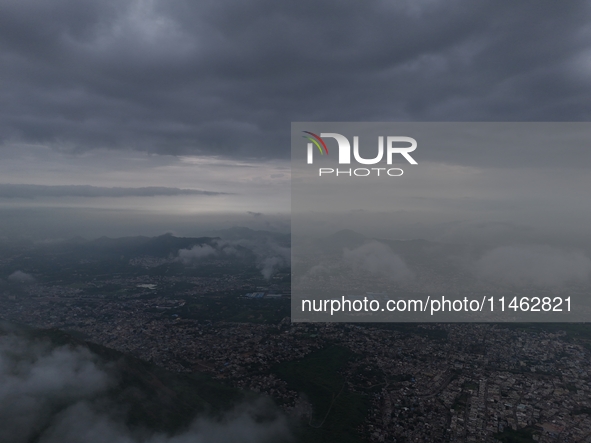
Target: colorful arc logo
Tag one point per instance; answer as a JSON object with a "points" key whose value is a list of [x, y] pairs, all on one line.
{"points": [[317, 140]]}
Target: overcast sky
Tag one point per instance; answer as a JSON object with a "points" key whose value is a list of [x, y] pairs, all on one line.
{"points": [[196, 98]]}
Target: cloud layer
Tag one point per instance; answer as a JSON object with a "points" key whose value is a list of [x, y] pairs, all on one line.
{"points": [[534, 265], [58, 395], [377, 259], [268, 254], [20, 277], [40, 191], [196, 253], [227, 77]]}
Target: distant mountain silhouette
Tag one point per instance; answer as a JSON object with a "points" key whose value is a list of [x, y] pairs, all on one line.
{"points": [[160, 246], [242, 233], [246, 241], [167, 244], [345, 238]]}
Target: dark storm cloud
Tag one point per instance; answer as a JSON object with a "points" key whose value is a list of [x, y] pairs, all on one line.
{"points": [[39, 191], [228, 77]]}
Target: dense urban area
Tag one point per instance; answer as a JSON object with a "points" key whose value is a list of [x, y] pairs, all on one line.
{"points": [[388, 382]]}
